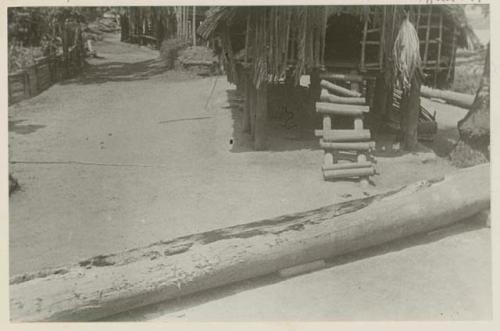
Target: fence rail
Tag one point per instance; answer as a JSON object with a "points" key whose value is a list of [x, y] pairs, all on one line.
{"points": [[46, 71]]}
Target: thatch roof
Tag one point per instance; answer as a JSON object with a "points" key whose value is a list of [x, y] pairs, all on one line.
{"points": [[224, 15], [273, 26]]}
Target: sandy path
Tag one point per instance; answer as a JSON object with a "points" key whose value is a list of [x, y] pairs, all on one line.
{"points": [[108, 166], [128, 154]]}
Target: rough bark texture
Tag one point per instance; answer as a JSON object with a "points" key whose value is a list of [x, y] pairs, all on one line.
{"points": [[105, 285], [474, 129]]}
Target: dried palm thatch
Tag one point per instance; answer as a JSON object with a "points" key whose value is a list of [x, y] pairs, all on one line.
{"points": [[281, 37], [406, 55], [277, 36]]}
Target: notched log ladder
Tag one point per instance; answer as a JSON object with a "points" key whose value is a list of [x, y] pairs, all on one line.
{"points": [[106, 285]]}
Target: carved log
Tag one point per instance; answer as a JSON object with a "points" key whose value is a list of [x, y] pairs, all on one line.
{"points": [[105, 285]]}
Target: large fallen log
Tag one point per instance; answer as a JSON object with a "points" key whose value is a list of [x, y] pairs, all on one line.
{"points": [[105, 285], [453, 98]]}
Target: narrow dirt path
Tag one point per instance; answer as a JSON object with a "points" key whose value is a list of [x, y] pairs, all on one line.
{"points": [[129, 153]]}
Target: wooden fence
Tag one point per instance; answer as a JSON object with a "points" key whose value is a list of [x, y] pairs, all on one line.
{"points": [[46, 71]]}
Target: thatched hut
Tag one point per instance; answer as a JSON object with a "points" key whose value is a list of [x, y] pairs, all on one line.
{"points": [[264, 45]]}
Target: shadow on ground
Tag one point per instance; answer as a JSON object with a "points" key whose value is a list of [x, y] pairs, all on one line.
{"points": [[119, 72], [15, 126], [286, 131], [183, 303]]}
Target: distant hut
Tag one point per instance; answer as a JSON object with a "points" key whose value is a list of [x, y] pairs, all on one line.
{"points": [[266, 45]]}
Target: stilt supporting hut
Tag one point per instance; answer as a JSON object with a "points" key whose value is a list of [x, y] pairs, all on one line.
{"points": [[352, 56]]}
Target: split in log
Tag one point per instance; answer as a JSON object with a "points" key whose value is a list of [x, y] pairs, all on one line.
{"points": [[348, 173], [106, 285], [339, 90], [338, 109], [327, 97], [348, 165], [346, 135], [358, 146]]}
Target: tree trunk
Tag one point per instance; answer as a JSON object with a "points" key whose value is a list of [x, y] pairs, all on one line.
{"points": [[106, 285], [473, 146]]}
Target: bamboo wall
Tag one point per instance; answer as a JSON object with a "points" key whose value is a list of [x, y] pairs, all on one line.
{"points": [[437, 34]]}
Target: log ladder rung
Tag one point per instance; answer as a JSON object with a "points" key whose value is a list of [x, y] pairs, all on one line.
{"points": [[341, 109]]}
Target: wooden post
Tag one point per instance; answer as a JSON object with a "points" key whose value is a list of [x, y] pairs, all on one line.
{"points": [[260, 142], [314, 95], [427, 33], [440, 45], [410, 107], [451, 64], [194, 25], [253, 104], [358, 123], [362, 159], [379, 102], [363, 45], [246, 113], [356, 87], [382, 39]]}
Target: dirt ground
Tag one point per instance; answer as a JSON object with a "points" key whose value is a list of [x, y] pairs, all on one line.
{"points": [[129, 153]]}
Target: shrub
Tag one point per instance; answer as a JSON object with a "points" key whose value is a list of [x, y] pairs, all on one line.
{"points": [[170, 49], [22, 57]]}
